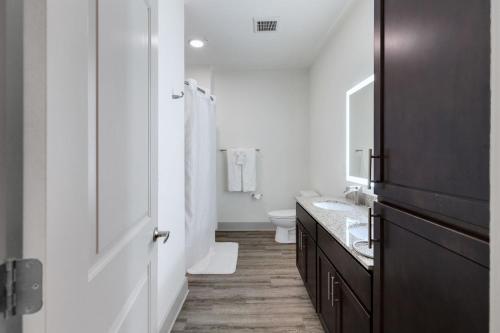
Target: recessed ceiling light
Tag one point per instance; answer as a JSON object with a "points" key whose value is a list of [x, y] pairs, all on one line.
{"points": [[196, 43]]}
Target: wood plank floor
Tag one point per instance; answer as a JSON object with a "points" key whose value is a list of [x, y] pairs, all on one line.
{"points": [[266, 294]]}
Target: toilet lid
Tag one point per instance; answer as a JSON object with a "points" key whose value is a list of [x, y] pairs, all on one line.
{"points": [[283, 214]]}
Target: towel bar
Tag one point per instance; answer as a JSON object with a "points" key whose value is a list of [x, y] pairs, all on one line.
{"points": [[257, 149]]}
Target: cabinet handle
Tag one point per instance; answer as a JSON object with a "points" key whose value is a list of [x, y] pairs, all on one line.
{"points": [[370, 158], [335, 284], [332, 281], [329, 286], [370, 227], [300, 239]]}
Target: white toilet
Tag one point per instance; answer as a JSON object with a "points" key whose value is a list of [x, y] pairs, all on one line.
{"points": [[284, 220]]}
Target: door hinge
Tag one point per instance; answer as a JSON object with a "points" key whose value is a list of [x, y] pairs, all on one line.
{"points": [[20, 287]]}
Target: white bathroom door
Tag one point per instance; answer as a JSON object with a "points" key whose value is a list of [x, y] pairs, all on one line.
{"points": [[104, 279], [122, 276]]}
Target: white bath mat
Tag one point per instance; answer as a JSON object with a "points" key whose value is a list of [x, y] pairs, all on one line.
{"points": [[221, 259]]}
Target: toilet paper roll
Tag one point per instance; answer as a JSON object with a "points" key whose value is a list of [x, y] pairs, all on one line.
{"points": [[257, 196]]}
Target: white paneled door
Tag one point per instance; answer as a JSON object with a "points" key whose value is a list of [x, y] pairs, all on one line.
{"points": [[122, 270], [102, 167]]}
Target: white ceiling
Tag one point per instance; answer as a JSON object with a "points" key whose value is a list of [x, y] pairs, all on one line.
{"points": [[227, 25]]}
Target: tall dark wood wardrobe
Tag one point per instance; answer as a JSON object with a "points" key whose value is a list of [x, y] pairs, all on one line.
{"points": [[431, 166]]}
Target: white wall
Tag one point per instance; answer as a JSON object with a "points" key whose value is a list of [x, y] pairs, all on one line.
{"points": [[202, 74], [266, 110], [495, 172], [171, 261], [345, 60]]}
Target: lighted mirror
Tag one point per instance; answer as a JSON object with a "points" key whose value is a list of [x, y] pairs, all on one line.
{"points": [[359, 130]]}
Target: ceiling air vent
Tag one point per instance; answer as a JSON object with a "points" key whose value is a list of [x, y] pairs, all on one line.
{"points": [[265, 25]]}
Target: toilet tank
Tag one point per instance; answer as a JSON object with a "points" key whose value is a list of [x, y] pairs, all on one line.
{"points": [[308, 193]]}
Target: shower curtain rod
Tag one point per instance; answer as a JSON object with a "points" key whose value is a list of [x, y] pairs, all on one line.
{"points": [[199, 89]]}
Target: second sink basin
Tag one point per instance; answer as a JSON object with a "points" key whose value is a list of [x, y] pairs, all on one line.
{"points": [[333, 205]]}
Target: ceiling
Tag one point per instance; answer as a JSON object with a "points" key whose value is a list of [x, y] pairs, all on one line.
{"points": [[227, 27]]}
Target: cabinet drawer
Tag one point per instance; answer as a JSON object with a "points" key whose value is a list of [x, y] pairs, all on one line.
{"points": [[307, 221], [360, 280]]}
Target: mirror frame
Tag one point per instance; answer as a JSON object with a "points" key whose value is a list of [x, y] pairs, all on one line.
{"points": [[349, 93]]}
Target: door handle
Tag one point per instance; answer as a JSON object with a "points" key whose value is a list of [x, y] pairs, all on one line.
{"points": [[174, 96], [161, 234]]}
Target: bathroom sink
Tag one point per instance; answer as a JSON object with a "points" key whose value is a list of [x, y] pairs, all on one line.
{"points": [[333, 205]]}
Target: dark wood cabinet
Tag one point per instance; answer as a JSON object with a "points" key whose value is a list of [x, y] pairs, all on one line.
{"points": [[353, 316], [327, 298], [427, 278], [311, 279], [339, 287], [300, 251], [339, 310], [432, 101], [306, 260], [432, 141]]}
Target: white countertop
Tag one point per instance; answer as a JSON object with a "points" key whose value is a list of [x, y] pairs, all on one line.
{"points": [[345, 226]]}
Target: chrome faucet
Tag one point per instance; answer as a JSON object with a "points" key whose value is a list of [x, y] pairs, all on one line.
{"points": [[357, 190]]}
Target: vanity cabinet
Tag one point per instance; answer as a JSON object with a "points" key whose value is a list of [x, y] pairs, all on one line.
{"points": [[306, 260], [339, 286], [328, 296], [349, 291], [353, 316], [300, 251]]}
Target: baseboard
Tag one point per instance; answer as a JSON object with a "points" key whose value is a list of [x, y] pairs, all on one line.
{"points": [[263, 219], [245, 226], [170, 318]]}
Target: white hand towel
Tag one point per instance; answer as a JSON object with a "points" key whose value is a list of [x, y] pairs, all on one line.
{"points": [[250, 170], [235, 161]]}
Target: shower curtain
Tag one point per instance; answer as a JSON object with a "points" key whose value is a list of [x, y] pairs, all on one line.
{"points": [[200, 178]]}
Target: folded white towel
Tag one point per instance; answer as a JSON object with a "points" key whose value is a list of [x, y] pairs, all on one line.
{"points": [[241, 170], [250, 170], [235, 161]]}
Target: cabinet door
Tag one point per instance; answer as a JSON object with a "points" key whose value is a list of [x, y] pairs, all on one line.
{"points": [[300, 257], [427, 278], [432, 108], [353, 316], [310, 262], [327, 299]]}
